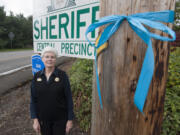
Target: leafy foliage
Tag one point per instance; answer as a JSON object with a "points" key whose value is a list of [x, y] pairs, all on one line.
{"points": [[81, 83], [171, 123], [20, 26], [177, 16]]}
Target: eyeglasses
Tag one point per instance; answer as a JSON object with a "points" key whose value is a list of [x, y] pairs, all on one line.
{"points": [[49, 57]]}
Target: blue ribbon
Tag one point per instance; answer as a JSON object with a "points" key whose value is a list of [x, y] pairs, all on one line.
{"points": [[136, 21]]}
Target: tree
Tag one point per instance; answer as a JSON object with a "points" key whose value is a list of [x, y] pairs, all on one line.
{"points": [[177, 16], [19, 25], [3, 29]]}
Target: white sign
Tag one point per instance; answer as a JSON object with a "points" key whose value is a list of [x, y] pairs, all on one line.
{"points": [[62, 25]]}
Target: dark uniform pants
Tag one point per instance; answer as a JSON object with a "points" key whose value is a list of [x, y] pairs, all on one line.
{"points": [[53, 127]]}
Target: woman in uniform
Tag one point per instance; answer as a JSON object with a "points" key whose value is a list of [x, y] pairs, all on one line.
{"points": [[51, 104]]}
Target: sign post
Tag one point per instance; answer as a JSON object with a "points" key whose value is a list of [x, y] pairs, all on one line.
{"points": [[11, 37]]}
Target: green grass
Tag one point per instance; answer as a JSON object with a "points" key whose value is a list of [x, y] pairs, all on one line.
{"points": [[18, 49]]}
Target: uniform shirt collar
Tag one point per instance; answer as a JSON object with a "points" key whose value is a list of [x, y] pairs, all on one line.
{"points": [[55, 72]]}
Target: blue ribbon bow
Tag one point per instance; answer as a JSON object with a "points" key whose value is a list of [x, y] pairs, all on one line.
{"points": [[136, 21]]}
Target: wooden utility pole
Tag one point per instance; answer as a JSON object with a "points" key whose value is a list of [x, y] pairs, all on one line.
{"points": [[119, 68]]}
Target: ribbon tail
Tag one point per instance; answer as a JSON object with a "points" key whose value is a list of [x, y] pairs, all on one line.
{"points": [[144, 79], [98, 83], [162, 16]]}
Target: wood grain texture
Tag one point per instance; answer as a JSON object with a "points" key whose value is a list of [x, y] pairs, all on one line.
{"points": [[119, 67]]}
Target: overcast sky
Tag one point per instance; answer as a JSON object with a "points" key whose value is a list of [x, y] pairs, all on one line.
{"points": [[18, 6]]}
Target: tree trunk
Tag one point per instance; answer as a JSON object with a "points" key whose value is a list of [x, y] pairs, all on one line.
{"points": [[119, 67]]}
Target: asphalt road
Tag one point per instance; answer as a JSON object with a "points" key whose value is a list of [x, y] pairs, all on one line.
{"points": [[12, 60], [11, 72]]}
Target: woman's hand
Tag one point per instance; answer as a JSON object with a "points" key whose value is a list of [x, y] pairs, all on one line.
{"points": [[69, 125], [36, 126]]}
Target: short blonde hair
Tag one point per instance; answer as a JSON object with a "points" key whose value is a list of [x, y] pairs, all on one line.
{"points": [[49, 49]]}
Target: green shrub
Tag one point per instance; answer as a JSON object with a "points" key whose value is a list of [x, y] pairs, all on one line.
{"points": [[81, 84], [171, 123]]}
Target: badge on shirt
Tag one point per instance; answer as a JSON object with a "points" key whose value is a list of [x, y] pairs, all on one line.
{"points": [[39, 79], [56, 79]]}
